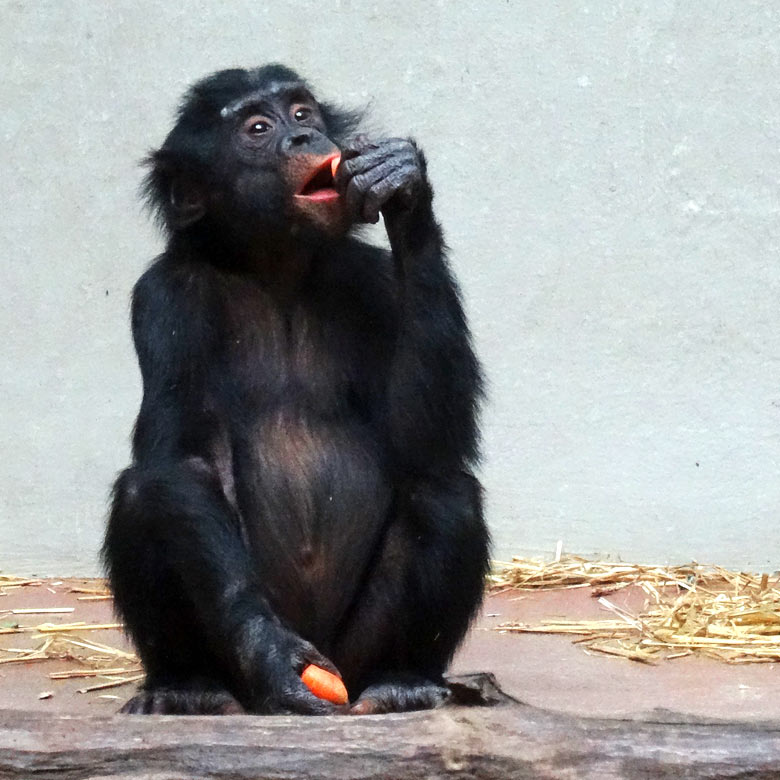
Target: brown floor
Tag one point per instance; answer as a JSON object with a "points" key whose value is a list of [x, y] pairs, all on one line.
{"points": [[545, 671]]}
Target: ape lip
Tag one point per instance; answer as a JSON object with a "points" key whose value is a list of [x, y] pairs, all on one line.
{"points": [[319, 186]]}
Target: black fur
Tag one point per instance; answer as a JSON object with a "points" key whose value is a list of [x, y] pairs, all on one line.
{"points": [[301, 487]]}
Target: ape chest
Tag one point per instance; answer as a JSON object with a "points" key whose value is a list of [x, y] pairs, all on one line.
{"points": [[289, 354]]}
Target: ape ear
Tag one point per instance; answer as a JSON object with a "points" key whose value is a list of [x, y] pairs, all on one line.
{"points": [[186, 203], [172, 192]]}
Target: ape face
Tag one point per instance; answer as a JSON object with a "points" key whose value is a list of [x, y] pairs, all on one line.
{"points": [[277, 154], [251, 156]]}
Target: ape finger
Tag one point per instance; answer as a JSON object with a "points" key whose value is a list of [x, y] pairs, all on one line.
{"points": [[355, 146], [398, 151], [399, 182], [307, 654], [360, 185], [367, 193], [355, 194], [297, 698], [367, 706]]}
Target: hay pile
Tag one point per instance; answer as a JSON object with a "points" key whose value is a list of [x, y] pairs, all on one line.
{"points": [[109, 666], [706, 610]]}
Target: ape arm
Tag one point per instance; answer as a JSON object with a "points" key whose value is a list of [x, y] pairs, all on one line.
{"points": [[174, 347], [154, 434], [435, 383]]}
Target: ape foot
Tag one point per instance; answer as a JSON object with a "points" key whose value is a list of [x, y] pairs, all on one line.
{"points": [[400, 694], [183, 699]]}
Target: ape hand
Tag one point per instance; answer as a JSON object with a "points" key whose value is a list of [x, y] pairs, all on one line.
{"points": [[281, 667], [379, 176]]}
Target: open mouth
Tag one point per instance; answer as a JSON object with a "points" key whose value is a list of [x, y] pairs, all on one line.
{"points": [[320, 185]]}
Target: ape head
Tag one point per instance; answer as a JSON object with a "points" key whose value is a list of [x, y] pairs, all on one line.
{"points": [[250, 157]]}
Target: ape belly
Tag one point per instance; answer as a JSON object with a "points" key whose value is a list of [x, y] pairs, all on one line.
{"points": [[314, 507]]}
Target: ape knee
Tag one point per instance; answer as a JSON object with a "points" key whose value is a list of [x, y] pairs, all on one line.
{"points": [[141, 493], [140, 501], [127, 519], [450, 507], [171, 512], [135, 492], [128, 486], [127, 494]]}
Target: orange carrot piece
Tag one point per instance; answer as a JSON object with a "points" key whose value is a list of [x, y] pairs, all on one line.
{"points": [[334, 163], [324, 685]]}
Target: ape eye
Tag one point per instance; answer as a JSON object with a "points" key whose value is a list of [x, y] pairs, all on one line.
{"points": [[302, 113], [256, 126]]}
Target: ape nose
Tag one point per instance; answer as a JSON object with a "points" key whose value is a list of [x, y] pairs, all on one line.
{"points": [[293, 142]]}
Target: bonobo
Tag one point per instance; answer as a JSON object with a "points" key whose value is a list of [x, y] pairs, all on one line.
{"points": [[301, 489]]}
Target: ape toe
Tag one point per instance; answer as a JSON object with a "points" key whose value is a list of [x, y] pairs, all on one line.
{"points": [[401, 695]]}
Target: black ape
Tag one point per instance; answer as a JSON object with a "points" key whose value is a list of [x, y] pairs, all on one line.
{"points": [[301, 487]]}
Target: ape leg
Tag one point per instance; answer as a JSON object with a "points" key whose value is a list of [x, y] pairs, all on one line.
{"points": [[419, 598], [183, 581]]}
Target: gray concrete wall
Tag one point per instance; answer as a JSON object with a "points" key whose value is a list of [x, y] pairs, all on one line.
{"points": [[607, 173]]}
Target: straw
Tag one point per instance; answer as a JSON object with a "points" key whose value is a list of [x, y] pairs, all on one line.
{"points": [[692, 609]]}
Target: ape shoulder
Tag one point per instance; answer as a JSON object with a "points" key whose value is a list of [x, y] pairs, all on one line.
{"points": [[170, 317]]}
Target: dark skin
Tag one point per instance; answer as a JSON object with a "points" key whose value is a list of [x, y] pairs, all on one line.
{"points": [[301, 487]]}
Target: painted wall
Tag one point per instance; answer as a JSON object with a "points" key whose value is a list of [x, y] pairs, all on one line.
{"points": [[607, 174]]}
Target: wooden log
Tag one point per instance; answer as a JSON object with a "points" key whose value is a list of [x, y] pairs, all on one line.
{"points": [[509, 740]]}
